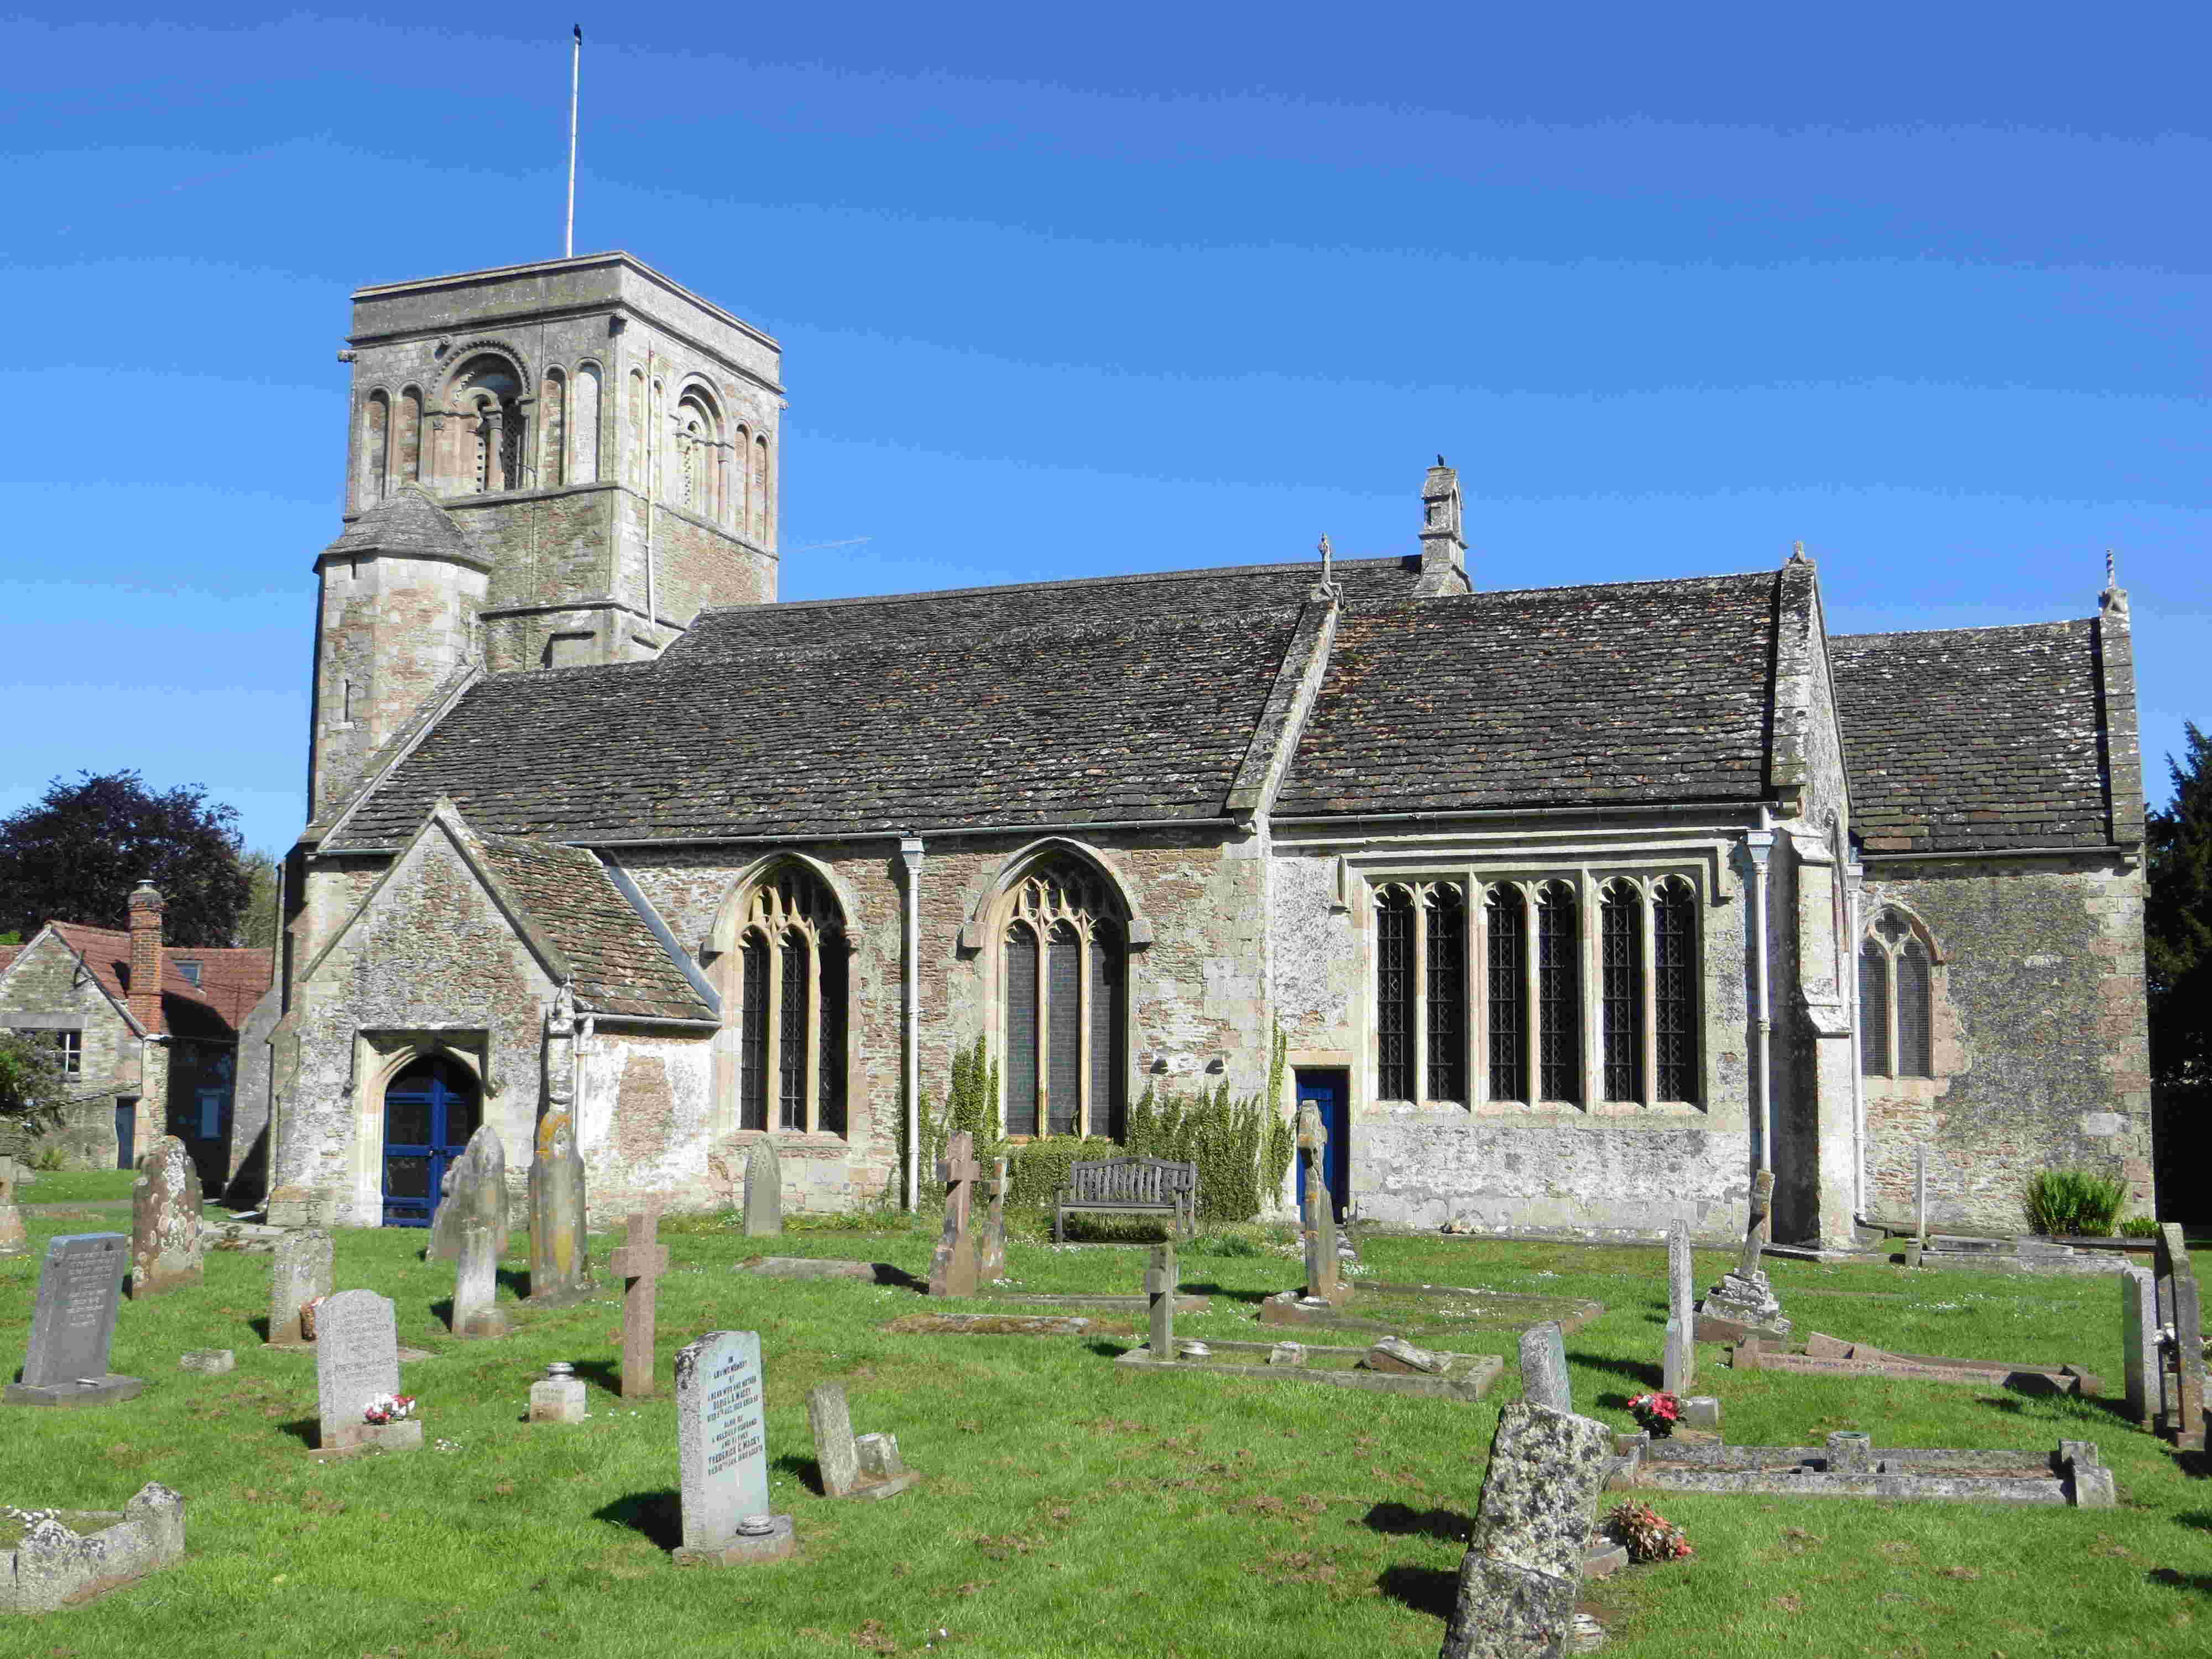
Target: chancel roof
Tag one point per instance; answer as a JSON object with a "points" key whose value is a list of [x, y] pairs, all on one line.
{"points": [[1640, 691], [1973, 739]]}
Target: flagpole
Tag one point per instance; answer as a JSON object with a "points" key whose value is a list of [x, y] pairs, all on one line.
{"points": [[576, 85]]}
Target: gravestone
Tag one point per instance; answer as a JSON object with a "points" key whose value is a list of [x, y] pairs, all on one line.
{"points": [[2139, 1344], [1920, 1194], [209, 1362], [991, 1254], [476, 1284], [1160, 1295], [1522, 1570], [558, 1396], [879, 1458], [1743, 1297], [475, 1185], [73, 1324], [1544, 1379], [844, 1474], [1323, 1262], [952, 1269], [1681, 1357], [763, 1189], [299, 1272], [560, 1269], [722, 1430], [356, 1359], [165, 1221], [2181, 1367], [15, 1237], [640, 1263]]}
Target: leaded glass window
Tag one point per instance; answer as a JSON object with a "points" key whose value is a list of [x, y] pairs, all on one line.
{"points": [[1064, 995], [752, 1066], [1446, 998], [789, 1001], [1874, 1010], [791, 1059], [1620, 960], [1394, 993], [1915, 1045], [831, 1086], [1559, 994], [1675, 988], [1509, 1022]]}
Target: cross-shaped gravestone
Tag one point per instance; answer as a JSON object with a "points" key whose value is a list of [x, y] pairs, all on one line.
{"points": [[991, 1254], [1160, 1290], [953, 1269], [1760, 1227], [1321, 1216], [640, 1262]]}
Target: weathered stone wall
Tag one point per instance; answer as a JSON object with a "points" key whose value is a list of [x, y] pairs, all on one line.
{"points": [[2041, 1049], [1585, 1171], [44, 991], [433, 961]]}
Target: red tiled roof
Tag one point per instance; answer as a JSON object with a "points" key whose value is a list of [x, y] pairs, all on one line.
{"points": [[231, 980]]}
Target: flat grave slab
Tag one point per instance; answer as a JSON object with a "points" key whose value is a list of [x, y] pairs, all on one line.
{"points": [[1466, 1376], [1850, 1466], [1394, 1307], [818, 1267], [1102, 1303], [1828, 1355]]}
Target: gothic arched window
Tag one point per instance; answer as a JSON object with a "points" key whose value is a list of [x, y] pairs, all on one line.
{"points": [[1675, 988], [1064, 987], [1503, 913], [790, 998], [1620, 966], [1558, 993], [407, 466], [1444, 998], [1394, 994], [1897, 1001]]}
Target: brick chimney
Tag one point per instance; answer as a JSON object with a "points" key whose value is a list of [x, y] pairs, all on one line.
{"points": [[1444, 542], [146, 956]]}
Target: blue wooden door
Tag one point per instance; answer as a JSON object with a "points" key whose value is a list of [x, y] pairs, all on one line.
{"points": [[430, 1110], [1331, 1092], [126, 1134]]}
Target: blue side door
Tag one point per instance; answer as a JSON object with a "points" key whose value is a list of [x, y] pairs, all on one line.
{"points": [[430, 1110], [1331, 1092]]}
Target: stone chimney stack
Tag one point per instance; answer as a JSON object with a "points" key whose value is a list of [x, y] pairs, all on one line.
{"points": [[1444, 540], [146, 956]]}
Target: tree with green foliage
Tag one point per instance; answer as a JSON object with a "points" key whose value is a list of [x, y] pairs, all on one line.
{"points": [[257, 924], [2178, 949], [31, 1084], [75, 854]]}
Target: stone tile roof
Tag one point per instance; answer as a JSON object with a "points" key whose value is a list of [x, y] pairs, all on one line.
{"points": [[1230, 589], [620, 968], [1640, 691], [1973, 740], [231, 980], [1082, 702], [406, 521]]}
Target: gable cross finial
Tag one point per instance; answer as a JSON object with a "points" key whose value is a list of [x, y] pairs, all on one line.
{"points": [[2111, 568], [1797, 553]]}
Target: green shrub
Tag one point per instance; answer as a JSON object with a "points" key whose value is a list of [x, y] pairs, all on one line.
{"points": [[2139, 1226], [1225, 1244], [2077, 1202]]}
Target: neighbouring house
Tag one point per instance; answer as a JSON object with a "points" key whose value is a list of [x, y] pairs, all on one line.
{"points": [[1575, 907], [147, 1034]]}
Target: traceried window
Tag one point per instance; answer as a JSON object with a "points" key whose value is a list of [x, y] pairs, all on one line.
{"points": [[1897, 995], [791, 1017], [1503, 990], [1064, 1004]]}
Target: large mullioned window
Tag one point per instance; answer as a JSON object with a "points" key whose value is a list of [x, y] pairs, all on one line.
{"points": [[791, 1014], [1062, 988], [1897, 1035], [1535, 993]]}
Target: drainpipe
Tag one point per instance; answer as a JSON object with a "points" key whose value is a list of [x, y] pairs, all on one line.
{"points": [[1757, 845], [1854, 904], [911, 852]]}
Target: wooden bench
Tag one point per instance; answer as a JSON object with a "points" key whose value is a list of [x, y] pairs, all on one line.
{"points": [[1130, 1186]]}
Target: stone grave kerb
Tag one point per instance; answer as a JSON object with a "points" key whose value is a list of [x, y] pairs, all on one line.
{"points": [[639, 1263]]}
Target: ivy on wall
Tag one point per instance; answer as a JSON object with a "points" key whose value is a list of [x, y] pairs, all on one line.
{"points": [[1242, 1147]]}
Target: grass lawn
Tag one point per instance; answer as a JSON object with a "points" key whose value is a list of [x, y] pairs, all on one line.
{"points": [[76, 1187], [1070, 1506]]}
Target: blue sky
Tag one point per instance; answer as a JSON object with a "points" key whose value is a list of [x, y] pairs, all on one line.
{"points": [[1161, 287]]}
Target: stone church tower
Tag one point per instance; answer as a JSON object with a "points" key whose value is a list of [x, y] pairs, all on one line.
{"points": [[548, 465]]}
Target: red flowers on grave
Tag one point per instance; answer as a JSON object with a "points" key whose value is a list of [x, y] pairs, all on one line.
{"points": [[1656, 1413], [1645, 1533], [389, 1408]]}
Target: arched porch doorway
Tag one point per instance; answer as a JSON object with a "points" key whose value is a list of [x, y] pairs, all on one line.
{"points": [[431, 1107]]}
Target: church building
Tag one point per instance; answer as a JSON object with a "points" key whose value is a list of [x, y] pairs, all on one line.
{"points": [[1575, 907]]}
